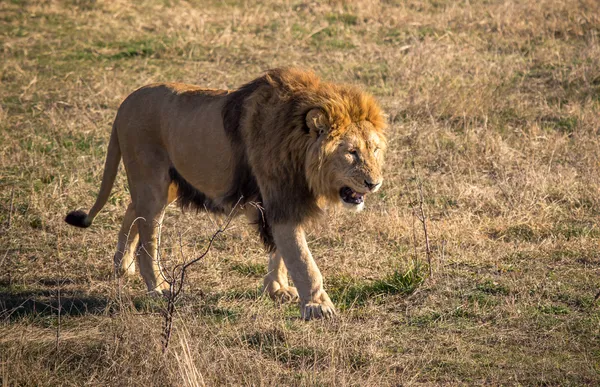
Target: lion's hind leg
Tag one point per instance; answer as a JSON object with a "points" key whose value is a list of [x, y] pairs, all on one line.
{"points": [[128, 237], [149, 183], [150, 209]]}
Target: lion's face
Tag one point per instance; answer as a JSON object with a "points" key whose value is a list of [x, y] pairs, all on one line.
{"points": [[356, 165], [350, 163]]}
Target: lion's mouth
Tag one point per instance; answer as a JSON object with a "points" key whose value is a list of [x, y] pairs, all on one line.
{"points": [[350, 196]]}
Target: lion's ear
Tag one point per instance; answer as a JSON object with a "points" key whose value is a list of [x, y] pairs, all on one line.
{"points": [[317, 121]]}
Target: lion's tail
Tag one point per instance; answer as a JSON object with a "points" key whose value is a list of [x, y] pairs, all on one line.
{"points": [[113, 157]]}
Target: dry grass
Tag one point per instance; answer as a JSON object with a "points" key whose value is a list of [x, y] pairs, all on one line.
{"points": [[493, 105]]}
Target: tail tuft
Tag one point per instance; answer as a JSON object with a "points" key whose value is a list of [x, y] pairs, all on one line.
{"points": [[78, 219]]}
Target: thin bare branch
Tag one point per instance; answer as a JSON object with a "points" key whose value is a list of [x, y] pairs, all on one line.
{"points": [[423, 220], [178, 275], [10, 210]]}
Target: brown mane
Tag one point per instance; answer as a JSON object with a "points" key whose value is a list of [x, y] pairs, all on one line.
{"points": [[343, 104], [266, 122]]}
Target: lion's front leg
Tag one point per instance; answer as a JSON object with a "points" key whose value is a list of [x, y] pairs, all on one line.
{"points": [[291, 244], [276, 281]]}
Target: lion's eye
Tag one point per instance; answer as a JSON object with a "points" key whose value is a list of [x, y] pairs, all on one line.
{"points": [[351, 155], [376, 151]]}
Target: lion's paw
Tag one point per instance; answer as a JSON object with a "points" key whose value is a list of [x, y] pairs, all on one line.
{"points": [[125, 271], [285, 294], [280, 292], [160, 292], [124, 266], [320, 307]]}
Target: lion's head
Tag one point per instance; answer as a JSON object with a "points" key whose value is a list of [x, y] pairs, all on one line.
{"points": [[311, 142], [345, 154], [345, 162]]}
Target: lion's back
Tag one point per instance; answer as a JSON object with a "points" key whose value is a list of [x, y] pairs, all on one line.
{"points": [[148, 108]]}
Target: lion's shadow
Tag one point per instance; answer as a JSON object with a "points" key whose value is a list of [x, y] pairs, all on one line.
{"points": [[50, 297], [44, 302]]}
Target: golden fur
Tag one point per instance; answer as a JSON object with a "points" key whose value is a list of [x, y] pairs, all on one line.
{"points": [[286, 140]]}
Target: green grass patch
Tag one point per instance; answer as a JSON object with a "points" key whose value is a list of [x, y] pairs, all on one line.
{"points": [[344, 18], [141, 48], [299, 31], [516, 233], [575, 229], [423, 32], [391, 36], [554, 309], [520, 232], [331, 37], [347, 291], [581, 302], [372, 74], [84, 5], [81, 142], [425, 319], [241, 294], [267, 338], [149, 304], [250, 269], [144, 47], [482, 299], [565, 125], [493, 288], [219, 314]]}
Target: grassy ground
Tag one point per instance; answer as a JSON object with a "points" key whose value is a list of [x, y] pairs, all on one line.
{"points": [[493, 106]]}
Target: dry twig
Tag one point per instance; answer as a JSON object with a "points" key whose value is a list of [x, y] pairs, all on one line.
{"points": [[10, 210], [178, 275], [423, 219]]}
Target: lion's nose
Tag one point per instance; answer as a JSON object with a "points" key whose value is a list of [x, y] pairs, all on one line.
{"points": [[371, 186]]}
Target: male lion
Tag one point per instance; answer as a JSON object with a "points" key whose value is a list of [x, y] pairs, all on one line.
{"points": [[286, 141]]}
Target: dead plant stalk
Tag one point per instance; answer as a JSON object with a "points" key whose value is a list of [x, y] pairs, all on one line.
{"points": [[423, 219], [178, 276]]}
